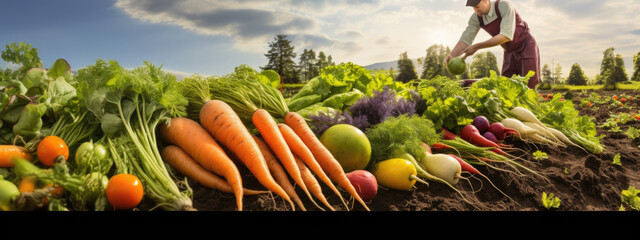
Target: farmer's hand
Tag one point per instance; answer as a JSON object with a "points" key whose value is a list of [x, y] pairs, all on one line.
{"points": [[469, 51], [446, 60]]}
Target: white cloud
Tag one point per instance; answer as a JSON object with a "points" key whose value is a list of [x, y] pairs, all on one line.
{"points": [[365, 32], [9, 65]]}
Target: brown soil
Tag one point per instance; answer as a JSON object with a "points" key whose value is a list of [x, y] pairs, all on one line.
{"points": [[583, 181]]}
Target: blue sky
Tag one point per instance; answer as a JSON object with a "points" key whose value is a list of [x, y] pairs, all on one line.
{"points": [[211, 37]]}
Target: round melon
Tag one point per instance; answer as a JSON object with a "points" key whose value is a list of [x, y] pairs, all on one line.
{"points": [[457, 66]]}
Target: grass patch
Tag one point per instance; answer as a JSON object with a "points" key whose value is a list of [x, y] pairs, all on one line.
{"points": [[627, 86]]}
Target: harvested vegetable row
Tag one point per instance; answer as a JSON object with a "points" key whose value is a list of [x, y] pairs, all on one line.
{"points": [[190, 136], [223, 123], [329, 164], [185, 165], [302, 151], [312, 183], [279, 173], [269, 131]]}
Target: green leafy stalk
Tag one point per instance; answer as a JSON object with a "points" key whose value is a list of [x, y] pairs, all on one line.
{"points": [[130, 105]]}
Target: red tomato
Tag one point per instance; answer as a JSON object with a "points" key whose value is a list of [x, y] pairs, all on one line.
{"points": [[615, 97], [623, 100], [50, 148], [124, 191], [549, 96], [631, 98], [589, 104]]}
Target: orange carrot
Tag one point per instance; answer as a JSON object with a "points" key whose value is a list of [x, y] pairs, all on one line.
{"points": [[312, 183], [300, 150], [8, 152], [226, 126], [27, 184], [268, 128], [202, 147], [279, 173], [329, 164], [185, 165]]}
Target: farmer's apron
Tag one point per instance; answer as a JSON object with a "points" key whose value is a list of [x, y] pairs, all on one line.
{"points": [[521, 54]]}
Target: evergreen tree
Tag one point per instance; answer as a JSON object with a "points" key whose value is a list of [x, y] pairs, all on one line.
{"points": [[330, 61], [322, 61], [307, 65], [406, 69], [607, 65], [281, 57], [576, 76], [433, 62], [482, 65], [619, 72], [636, 67], [609, 81], [557, 74], [546, 74]]}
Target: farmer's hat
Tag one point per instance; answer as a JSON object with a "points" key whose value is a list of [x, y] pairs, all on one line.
{"points": [[472, 3]]}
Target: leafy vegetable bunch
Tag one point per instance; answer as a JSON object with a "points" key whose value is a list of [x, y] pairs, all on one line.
{"points": [[401, 134], [338, 87], [36, 102], [129, 105], [368, 111], [563, 116], [444, 103]]}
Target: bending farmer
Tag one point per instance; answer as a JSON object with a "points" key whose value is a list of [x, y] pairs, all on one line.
{"points": [[508, 30]]}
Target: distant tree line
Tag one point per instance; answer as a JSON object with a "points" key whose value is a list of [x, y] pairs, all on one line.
{"points": [[281, 56], [612, 72], [433, 65]]}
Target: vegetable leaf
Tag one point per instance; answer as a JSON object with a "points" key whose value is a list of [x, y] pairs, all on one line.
{"points": [[401, 134], [632, 133], [631, 198]]}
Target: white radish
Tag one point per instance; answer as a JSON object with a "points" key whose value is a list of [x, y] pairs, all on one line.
{"points": [[443, 166], [541, 139], [544, 132], [518, 126], [563, 137], [525, 115], [526, 132]]}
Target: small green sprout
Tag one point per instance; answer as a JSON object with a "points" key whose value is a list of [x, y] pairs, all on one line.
{"points": [[550, 201], [538, 155], [616, 160]]}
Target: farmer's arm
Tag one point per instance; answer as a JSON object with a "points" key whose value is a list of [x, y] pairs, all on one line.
{"points": [[466, 39], [491, 42]]}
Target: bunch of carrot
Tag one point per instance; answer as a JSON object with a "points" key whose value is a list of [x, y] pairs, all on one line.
{"points": [[276, 152]]}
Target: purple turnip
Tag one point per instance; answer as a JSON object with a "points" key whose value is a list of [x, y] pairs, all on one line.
{"points": [[490, 136], [481, 123]]}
